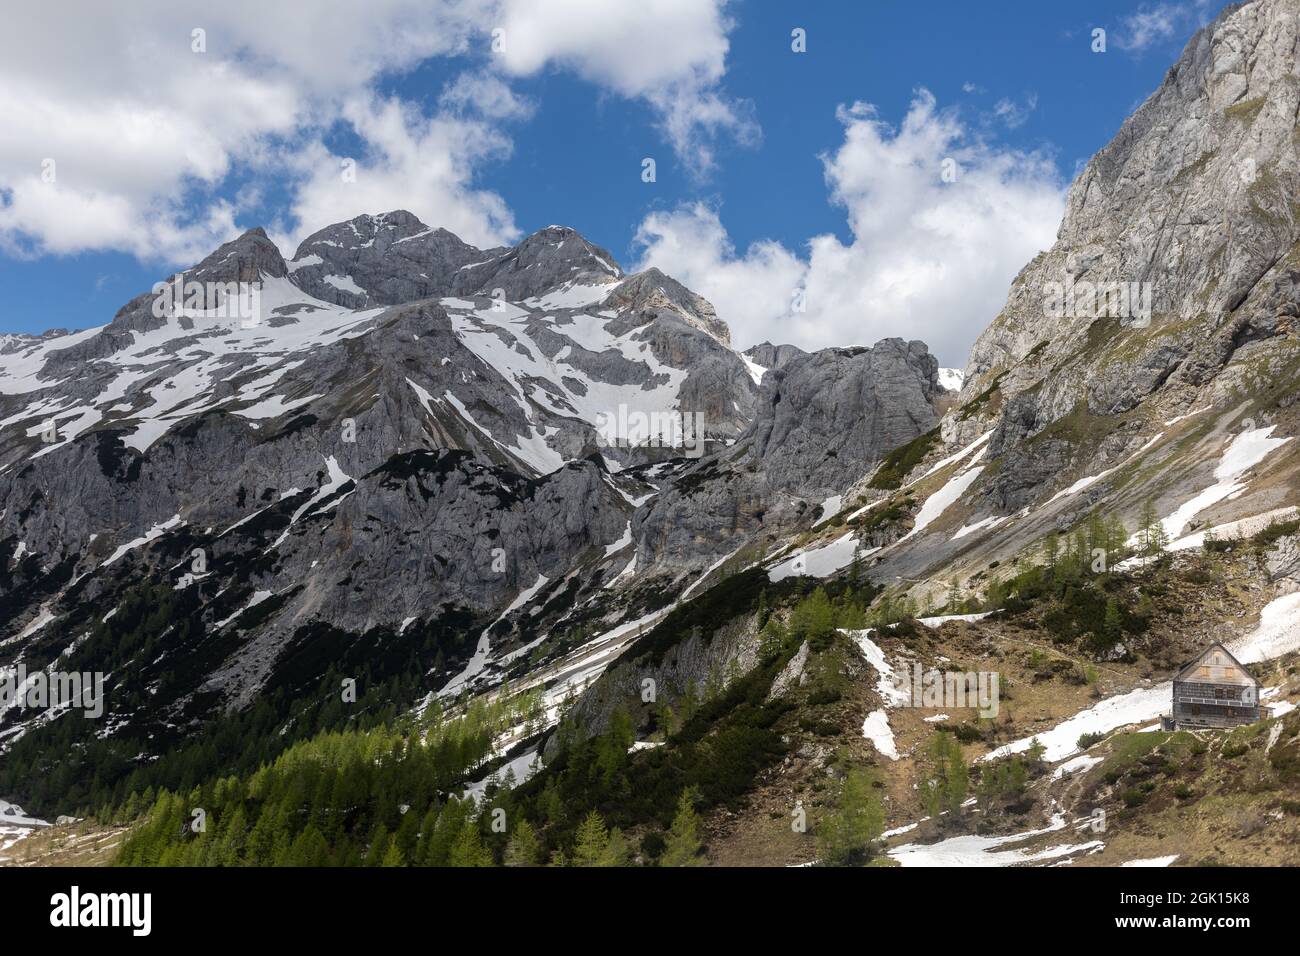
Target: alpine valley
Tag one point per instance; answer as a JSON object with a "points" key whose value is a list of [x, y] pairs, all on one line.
{"points": [[441, 532]]}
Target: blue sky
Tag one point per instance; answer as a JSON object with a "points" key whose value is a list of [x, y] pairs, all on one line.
{"points": [[558, 135]]}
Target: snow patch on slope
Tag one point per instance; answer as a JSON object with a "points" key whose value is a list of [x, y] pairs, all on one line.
{"points": [[1278, 633], [1246, 450], [480, 657], [819, 562]]}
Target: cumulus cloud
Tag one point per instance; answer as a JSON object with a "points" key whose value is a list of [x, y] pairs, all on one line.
{"points": [[669, 53], [159, 107], [1148, 27], [411, 162], [155, 104], [928, 258]]}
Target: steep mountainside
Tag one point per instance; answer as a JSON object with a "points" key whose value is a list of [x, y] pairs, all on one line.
{"points": [[823, 421], [1152, 353], [394, 452]]}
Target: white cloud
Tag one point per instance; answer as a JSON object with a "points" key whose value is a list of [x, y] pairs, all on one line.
{"points": [[143, 129], [412, 162], [754, 292], [1148, 27], [670, 53], [693, 119], [486, 95], [1151, 25], [146, 133], [1014, 114], [928, 259]]}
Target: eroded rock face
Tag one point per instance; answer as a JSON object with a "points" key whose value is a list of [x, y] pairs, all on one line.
{"points": [[694, 666], [826, 418], [651, 293], [1284, 560], [408, 435], [766, 355], [823, 422], [553, 258], [383, 260], [424, 532], [1172, 285], [393, 258], [1190, 208], [791, 675]]}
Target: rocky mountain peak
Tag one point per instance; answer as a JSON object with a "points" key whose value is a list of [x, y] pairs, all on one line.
{"points": [[547, 260], [362, 232], [651, 292], [564, 243], [386, 259], [247, 259]]}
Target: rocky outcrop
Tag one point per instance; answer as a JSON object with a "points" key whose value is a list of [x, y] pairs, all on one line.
{"points": [[1284, 560], [822, 423], [826, 418], [701, 664], [1183, 229], [790, 676], [650, 294], [553, 258], [383, 260], [766, 355]]}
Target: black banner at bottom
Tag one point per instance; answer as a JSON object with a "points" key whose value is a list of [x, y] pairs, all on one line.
{"points": [[335, 906]]}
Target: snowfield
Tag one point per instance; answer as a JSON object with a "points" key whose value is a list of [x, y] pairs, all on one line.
{"points": [[876, 729], [938, 503], [985, 851], [1246, 451], [819, 562], [15, 825], [479, 659], [205, 351]]}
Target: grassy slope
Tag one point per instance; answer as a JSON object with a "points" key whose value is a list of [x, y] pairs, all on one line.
{"points": [[1212, 798]]}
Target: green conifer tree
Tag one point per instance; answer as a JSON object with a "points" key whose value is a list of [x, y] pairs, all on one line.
{"points": [[592, 841], [683, 844], [468, 850], [523, 848], [845, 837]]}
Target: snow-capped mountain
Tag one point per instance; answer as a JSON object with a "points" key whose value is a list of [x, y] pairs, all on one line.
{"points": [[395, 431], [530, 341]]}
